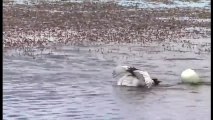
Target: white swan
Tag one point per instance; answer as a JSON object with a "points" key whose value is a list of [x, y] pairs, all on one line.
{"points": [[190, 76], [130, 76]]}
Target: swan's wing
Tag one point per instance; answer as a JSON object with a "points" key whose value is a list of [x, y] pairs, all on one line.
{"points": [[144, 78], [120, 71], [139, 75]]}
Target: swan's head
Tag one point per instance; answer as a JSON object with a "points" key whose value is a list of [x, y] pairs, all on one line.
{"points": [[120, 70], [156, 81], [190, 76]]}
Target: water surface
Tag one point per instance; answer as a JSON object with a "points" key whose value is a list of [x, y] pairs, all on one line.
{"points": [[136, 3], [76, 83]]}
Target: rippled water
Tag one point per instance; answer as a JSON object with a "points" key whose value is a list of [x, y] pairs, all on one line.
{"points": [[76, 83]]}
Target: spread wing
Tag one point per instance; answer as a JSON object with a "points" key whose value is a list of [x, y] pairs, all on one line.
{"points": [[144, 78], [139, 75]]}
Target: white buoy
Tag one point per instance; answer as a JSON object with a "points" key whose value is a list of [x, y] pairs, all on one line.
{"points": [[190, 76]]}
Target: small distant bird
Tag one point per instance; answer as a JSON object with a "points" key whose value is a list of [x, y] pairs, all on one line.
{"points": [[190, 76], [131, 76]]}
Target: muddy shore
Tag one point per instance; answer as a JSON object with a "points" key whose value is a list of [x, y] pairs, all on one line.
{"points": [[91, 23]]}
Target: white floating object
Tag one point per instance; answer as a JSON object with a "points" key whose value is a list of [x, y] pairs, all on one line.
{"points": [[190, 76]]}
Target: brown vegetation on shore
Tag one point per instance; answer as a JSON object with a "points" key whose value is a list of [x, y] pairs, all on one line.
{"points": [[98, 23]]}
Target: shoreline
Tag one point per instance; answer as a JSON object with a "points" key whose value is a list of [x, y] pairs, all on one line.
{"points": [[89, 23]]}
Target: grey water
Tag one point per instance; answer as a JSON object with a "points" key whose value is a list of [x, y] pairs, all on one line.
{"points": [[73, 82]]}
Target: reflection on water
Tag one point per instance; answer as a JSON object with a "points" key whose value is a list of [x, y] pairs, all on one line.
{"points": [[75, 83]]}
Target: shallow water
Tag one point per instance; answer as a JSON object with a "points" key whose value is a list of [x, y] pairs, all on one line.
{"points": [[137, 3], [76, 83]]}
